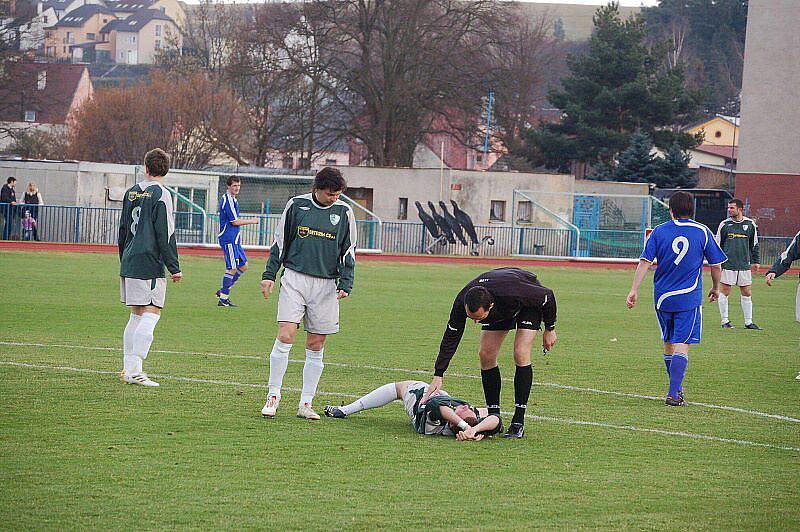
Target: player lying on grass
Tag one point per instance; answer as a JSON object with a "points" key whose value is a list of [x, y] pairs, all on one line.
{"points": [[442, 415]]}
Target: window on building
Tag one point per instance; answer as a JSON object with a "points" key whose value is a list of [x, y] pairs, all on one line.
{"points": [[158, 30], [70, 38], [718, 134], [41, 80], [90, 36], [402, 209], [186, 215], [158, 44], [132, 39], [30, 116], [330, 162], [524, 211], [497, 212]]}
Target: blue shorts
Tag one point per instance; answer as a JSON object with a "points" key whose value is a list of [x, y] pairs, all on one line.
{"points": [[234, 255], [683, 327]]}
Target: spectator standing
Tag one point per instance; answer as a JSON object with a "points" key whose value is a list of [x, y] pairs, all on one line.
{"points": [[33, 200], [8, 203]]}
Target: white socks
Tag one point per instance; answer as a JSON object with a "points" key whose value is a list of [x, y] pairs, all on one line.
{"points": [[278, 360], [312, 371], [130, 362], [143, 338], [723, 307], [374, 399], [747, 309]]}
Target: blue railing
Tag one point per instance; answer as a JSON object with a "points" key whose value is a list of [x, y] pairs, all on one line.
{"points": [[98, 225]]}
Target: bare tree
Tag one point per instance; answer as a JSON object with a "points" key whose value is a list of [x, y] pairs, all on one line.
{"points": [[398, 69], [300, 38], [188, 116], [522, 65], [205, 40]]}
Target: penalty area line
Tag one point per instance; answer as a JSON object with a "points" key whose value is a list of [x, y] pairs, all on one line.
{"points": [[554, 385], [630, 428]]}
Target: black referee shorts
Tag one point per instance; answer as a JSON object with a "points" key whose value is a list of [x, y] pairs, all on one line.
{"points": [[527, 319]]}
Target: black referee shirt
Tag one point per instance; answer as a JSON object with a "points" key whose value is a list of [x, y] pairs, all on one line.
{"points": [[515, 291]]}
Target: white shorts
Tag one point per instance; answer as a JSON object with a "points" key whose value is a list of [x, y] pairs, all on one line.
{"points": [[310, 299], [737, 277], [141, 292], [797, 305]]}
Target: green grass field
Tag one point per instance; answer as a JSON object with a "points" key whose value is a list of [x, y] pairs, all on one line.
{"points": [[81, 450]]}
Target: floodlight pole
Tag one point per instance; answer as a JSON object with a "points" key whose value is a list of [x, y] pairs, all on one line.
{"points": [[488, 124]]}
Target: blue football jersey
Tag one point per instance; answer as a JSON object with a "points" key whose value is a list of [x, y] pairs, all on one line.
{"points": [[680, 246], [228, 212]]}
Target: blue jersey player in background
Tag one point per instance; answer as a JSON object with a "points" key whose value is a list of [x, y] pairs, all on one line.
{"points": [[230, 240], [679, 247]]}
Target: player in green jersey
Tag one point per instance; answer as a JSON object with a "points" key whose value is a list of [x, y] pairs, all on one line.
{"points": [[315, 242], [441, 415], [737, 235], [146, 244]]}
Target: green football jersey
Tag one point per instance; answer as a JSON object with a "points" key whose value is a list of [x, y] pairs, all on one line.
{"points": [[791, 253], [739, 241], [315, 240], [147, 232]]}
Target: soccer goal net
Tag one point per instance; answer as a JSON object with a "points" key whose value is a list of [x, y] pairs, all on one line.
{"points": [[564, 224]]}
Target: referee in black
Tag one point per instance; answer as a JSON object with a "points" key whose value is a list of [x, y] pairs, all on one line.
{"points": [[501, 300]]}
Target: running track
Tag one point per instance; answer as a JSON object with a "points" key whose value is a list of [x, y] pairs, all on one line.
{"points": [[416, 259]]}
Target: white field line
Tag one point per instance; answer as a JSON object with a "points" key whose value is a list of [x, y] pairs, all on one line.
{"points": [[422, 372], [164, 377], [631, 428]]}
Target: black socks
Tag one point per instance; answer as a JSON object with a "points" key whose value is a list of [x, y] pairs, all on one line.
{"points": [[491, 388], [523, 380]]}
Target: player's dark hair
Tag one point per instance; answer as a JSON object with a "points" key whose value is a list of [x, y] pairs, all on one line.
{"points": [[329, 179], [736, 201], [156, 162], [681, 205], [233, 179], [478, 297], [10, 180]]}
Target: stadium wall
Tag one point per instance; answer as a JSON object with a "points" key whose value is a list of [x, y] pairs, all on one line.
{"points": [[768, 171], [774, 201], [91, 184]]}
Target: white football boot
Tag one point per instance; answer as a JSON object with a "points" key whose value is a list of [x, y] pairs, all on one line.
{"points": [[271, 407], [141, 379], [305, 411]]}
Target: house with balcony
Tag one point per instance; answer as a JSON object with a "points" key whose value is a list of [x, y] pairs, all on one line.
{"points": [[76, 36], [138, 38]]}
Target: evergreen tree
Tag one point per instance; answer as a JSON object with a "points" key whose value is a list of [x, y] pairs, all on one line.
{"points": [[708, 37], [675, 171], [616, 87], [636, 164]]}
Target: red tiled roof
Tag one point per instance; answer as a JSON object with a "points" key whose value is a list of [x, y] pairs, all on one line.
{"points": [[52, 105], [719, 151]]}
